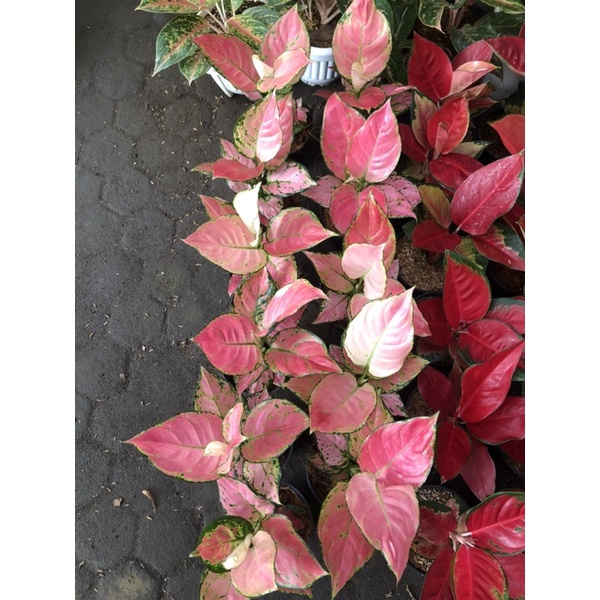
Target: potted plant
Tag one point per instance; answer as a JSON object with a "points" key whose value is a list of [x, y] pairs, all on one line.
{"points": [[463, 349]]}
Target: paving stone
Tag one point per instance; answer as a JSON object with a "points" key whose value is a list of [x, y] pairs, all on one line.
{"points": [[85, 581], [119, 78], [189, 577], [92, 470], [133, 115], [83, 410], [128, 582], [97, 227], [109, 152], [127, 192], [94, 112], [105, 534]]}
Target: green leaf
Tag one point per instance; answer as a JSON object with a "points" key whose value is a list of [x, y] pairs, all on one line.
{"points": [[468, 250], [405, 16], [504, 24], [431, 12], [194, 66], [491, 25], [168, 6], [176, 40], [506, 6], [252, 25]]}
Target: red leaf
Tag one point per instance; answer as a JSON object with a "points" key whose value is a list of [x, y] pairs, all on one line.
{"points": [[487, 194], [410, 145], [448, 126], [484, 386], [511, 129], [486, 337], [452, 449], [436, 390], [501, 244], [477, 575], [229, 342], [433, 311], [345, 548], [437, 204], [479, 472], [428, 235], [514, 569], [510, 311], [498, 523], [429, 69], [438, 583], [467, 292], [506, 423], [450, 170], [510, 49]]}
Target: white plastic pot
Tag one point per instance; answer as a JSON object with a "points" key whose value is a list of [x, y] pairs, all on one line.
{"points": [[223, 83], [322, 70]]}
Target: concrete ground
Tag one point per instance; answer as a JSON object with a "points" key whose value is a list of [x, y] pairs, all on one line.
{"points": [[141, 295]]}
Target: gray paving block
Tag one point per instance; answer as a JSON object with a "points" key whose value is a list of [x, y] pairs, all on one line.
{"points": [[108, 153], [130, 581], [92, 471], [97, 227], [179, 585], [94, 112], [119, 78], [133, 115], [127, 191]]}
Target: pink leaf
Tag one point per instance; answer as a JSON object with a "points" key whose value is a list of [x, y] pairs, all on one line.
{"points": [[218, 586], [340, 123], [400, 453], [333, 448], [485, 386], [264, 478], [235, 171], [334, 309], [375, 148], [282, 269], [345, 548], [506, 423], [229, 342], [296, 352], [429, 69], [227, 242], [304, 386], [344, 206], [498, 523], [362, 42], [479, 472], [323, 191], [370, 98], [231, 57], [270, 428], [215, 207], [286, 70], [365, 261], [287, 33], [295, 567], [480, 50], [176, 447], [339, 404], [477, 574], [286, 108], [371, 226], [388, 515], [288, 300], [330, 271], [487, 194], [256, 575], [452, 449], [289, 178], [380, 337], [378, 417], [213, 395], [293, 230], [401, 195], [252, 294], [423, 110], [468, 73], [412, 366], [239, 500]]}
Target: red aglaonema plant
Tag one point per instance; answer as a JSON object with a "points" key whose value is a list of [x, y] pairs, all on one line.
{"points": [[347, 394]]}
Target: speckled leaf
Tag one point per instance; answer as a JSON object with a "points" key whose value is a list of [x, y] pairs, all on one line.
{"points": [[338, 404], [239, 500], [477, 574], [295, 566], [230, 343], [256, 575], [400, 453], [194, 66], [507, 6], [333, 448], [323, 191], [175, 40], [378, 417], [176, 447], [252, 25], [296, 353], [228, 243], [412, 366], [289, 178], [253, 294], [334, 309], [213, 394], [168, 6], [264, 478], [293, 230], [270, 428], [388, 515], [303, 386], [330, 271], [345, 548], [487, 194], [431, 12], [218, 586]]}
